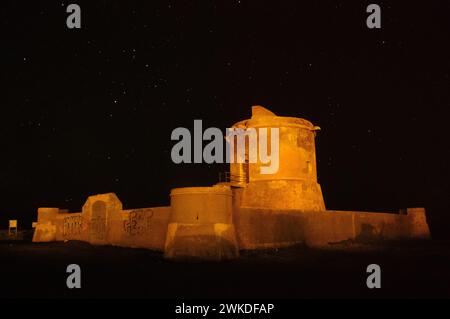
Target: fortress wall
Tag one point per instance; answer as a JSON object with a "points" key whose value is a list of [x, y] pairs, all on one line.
{"points": [[46, 228], [253, 210], [383, 226], [255, 227], [137, 228], [141, 228], [44, 232], [326, 228], [62, 226], [417, 222], [268, 228], [208, 223], [332, 227], [69, 226]]}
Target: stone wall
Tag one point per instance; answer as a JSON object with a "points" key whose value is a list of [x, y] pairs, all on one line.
{"points": [[281, 194], [103, 222], [143, 228], [269, 228], [203, 223]]}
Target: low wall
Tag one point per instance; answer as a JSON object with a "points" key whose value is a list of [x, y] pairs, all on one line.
{"points": [[142, 228], [267, 228], [71, 226], [137, 228], [104, 222]]}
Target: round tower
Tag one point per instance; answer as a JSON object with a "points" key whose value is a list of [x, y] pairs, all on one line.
{"points": [[289, 179], [201, 224]]}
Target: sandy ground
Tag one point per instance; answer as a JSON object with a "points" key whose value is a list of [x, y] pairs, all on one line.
{"points": [[415, 269]]}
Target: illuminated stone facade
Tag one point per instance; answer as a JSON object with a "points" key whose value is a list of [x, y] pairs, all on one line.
{"points": [[249, 211]]}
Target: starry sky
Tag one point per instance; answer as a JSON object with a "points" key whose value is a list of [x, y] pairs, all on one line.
{"points": [[91, 110]]}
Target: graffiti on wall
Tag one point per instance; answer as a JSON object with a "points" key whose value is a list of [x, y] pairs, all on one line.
{"points": [[138, 222], [72, 225]]}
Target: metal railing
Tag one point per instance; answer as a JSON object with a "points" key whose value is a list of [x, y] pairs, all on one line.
{"points": [[226, 177]]}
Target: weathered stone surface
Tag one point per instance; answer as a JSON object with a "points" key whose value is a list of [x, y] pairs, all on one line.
{"points": [[46, 228], [103, 222], [268, 228], [294, 185], [262, 211], [143, 228], [213, 242], [201, 224]]}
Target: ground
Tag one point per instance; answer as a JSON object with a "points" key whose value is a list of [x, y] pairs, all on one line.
{"points": [[409, 270]]}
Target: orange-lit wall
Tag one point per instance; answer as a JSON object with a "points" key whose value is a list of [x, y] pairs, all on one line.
{"points": [[268, 228], [252, 211], [138, 228], [253, 227]]}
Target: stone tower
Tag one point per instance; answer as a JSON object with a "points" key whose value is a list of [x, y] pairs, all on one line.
{"points": [[294, 185]]}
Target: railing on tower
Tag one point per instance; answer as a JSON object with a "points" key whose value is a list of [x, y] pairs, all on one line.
{"points": [[227, 177]]}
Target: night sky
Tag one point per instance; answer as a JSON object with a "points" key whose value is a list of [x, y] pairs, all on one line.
{"points": [[87, 111]]}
